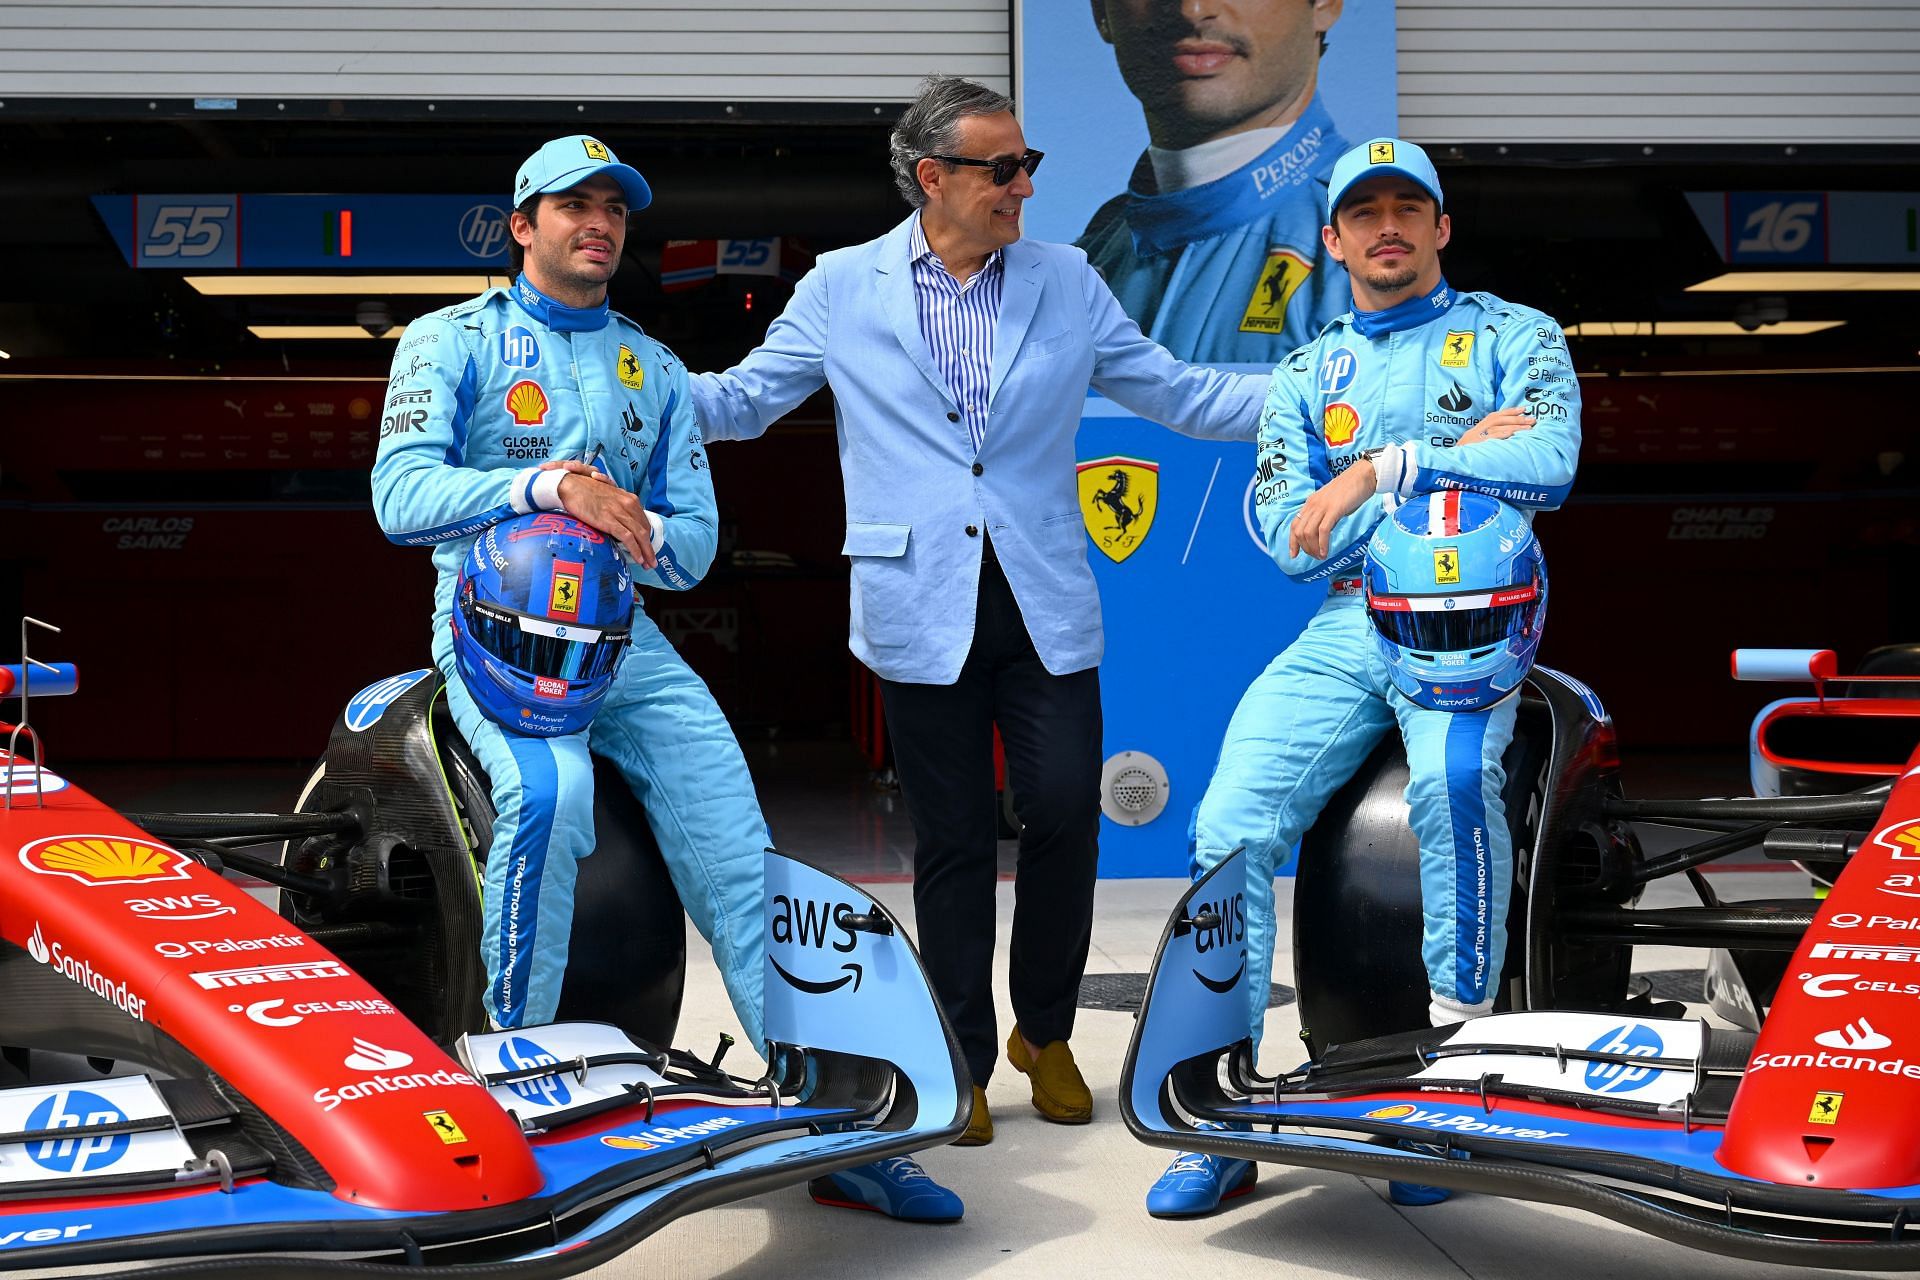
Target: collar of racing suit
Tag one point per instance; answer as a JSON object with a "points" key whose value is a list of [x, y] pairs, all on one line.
{"points": [[1410, 314], [558, 315], [1303, 154]]}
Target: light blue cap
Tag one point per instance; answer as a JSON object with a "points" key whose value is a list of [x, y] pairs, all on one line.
{"points": [[567, 162], [1377, 156]]}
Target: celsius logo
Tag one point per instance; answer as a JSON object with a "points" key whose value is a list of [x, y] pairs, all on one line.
{"points": [[520, 1053], [74, 1109], [261, 1011], [368, 1056], [1632, 1041], [37, 946], [483, 231], [368, 705], [1858, 1036]]}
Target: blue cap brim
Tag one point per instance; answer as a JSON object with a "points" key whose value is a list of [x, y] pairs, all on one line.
{"points": [[1375, 171], [639, 194]]}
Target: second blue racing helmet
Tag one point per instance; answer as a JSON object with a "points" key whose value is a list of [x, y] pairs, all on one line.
{"points": [[542, 613], [1457, 591]]}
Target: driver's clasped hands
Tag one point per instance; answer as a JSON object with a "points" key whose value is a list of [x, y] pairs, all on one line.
{"points": [[595, 500], [1312, 529]]}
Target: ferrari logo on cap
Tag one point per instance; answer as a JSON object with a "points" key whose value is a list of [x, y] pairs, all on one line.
{"points": [[1380, 153], [595, 150], [1826, 1108], [1285, 271], [628, 367], [1118, 497], [1446, 566], [1455, 352]]}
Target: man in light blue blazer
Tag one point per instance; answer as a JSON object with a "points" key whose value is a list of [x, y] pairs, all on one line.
{"points": [[959, 356]]}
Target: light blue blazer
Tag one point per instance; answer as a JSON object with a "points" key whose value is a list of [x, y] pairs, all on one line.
{"points": [[918, 495]]}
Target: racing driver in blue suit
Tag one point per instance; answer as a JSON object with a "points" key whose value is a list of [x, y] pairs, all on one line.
{"points": [[1391, 400], [487, 398], [1214, 248]]}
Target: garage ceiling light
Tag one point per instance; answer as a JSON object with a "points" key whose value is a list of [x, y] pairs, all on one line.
{"points": [[1695, 329], [362, 286], [321, 331], [1809, 282]]}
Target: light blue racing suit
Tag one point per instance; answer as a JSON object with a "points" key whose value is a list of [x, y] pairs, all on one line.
{"points": [[1230, 271], [1413, 378], [481, 394]]}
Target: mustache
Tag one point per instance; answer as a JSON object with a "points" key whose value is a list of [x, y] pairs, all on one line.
{"points": [[1401, 245], [1171, 28]]}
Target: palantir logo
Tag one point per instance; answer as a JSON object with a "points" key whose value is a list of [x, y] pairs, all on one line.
{"points": [[519, 1053], [368, 1056], [483, 231], [74, 1109], [1633, 1041], [1858, 1036]]}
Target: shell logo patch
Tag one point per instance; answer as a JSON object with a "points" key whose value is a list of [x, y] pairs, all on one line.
{"points": [[1446, 566], [1904, 841], [98, 860], [1826, 1108], [1338, 422], [563, 597], [628, 367], [1379, 153], [527, 403], [1280, 278], [1398, 1111], [596, 150], [623, 1142], [1457, 349]]}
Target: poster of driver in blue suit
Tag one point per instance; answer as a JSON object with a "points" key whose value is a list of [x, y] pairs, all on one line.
{"points": [[1189, 143]]}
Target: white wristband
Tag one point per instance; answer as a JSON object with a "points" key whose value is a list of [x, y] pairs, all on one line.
{"points": [[1390, 468], [659, 530]]}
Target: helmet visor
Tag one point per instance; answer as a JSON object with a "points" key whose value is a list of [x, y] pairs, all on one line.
{"points": [[1425, 624], [543, 648]]}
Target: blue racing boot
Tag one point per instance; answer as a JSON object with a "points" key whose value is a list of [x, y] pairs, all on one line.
{"points": [[1195, 1184], [898, 1187]]}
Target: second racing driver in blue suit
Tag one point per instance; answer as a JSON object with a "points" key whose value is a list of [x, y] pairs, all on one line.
{"points": [[1382, 406]]}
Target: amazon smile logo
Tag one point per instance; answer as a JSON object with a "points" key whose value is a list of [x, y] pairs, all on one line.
{"points": [[812, 988], [1219, 987]]}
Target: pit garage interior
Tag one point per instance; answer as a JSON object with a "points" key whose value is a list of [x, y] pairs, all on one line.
{"points": [[186, 496]]}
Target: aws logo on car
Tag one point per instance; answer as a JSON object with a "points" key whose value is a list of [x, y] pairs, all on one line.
{"points": [[814, 926], [1229, 929]]}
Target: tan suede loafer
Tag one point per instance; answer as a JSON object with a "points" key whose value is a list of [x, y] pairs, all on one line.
{"points": [[979, 1131], [1059, 1092]]}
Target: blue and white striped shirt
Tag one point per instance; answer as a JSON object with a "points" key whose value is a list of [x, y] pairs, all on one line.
{"points": [[958, 320]]}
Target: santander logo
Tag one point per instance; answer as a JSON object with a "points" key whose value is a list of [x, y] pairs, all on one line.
{"points": [[368, 1056], [37, 946], [1857, 1036]]}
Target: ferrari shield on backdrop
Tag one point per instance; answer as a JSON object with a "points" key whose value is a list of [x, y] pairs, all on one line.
{"points": [[1189, 159]]}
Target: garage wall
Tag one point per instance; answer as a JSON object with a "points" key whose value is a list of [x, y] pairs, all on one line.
{"points": [[1684, 71], [789, 51]]}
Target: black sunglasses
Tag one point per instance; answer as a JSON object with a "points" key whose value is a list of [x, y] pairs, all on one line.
{"points": [[1002, 169]]}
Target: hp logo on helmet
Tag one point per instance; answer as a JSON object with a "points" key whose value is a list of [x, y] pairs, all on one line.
{"points": [[483, 231], [1633, 1041], [519, 1053]]}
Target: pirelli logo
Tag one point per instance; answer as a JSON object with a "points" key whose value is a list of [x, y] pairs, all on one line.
{"points": [[215, 979], [1840, 951]]}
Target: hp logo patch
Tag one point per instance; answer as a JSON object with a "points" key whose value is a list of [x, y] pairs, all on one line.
{"points": [[519, 1053], [1633, 1041], [1337, 371], [368, 705], [519, 349], [483, 231], [70, 1110]]}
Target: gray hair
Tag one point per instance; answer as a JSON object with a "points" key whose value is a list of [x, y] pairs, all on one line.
{"points": [[932, 124]]}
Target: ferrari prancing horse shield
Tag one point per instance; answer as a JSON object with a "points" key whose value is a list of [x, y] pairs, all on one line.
{"points": [[1117, 499]]}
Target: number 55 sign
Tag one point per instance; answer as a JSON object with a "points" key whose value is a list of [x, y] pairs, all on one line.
{"points": [[190, 232]]}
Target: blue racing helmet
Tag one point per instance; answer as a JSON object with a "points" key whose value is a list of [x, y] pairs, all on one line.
{"points": [[541, 616], [1457, 590]]}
